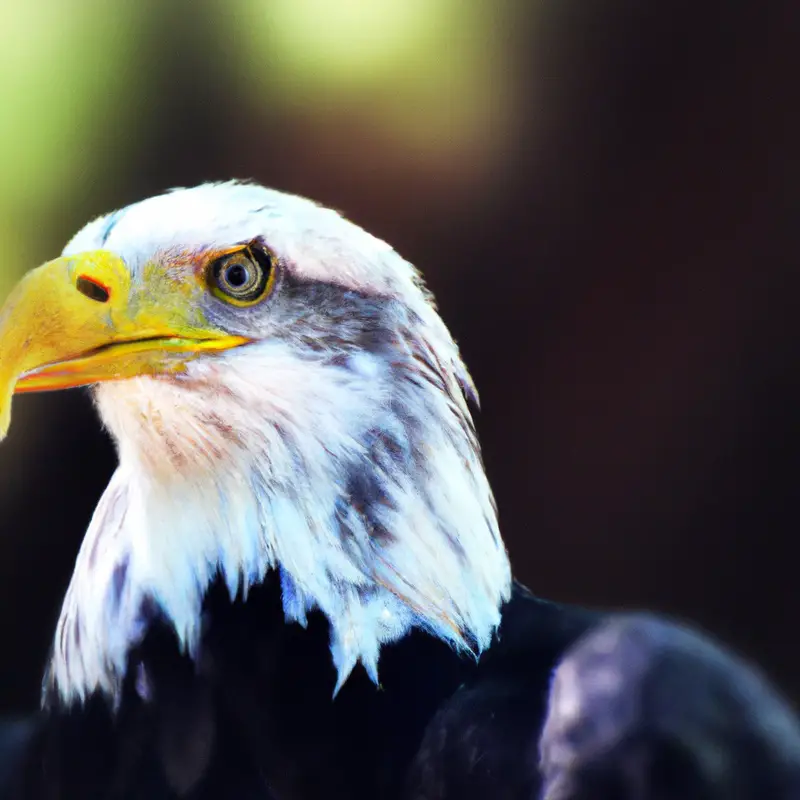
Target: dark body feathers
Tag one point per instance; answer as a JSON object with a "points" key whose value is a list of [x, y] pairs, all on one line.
{"points": [[254, 718]]}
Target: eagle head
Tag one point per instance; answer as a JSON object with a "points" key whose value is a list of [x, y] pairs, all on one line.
{"points": [[283, 396]]}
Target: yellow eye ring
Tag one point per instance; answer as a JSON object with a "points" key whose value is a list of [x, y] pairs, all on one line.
{"points": [[244, 277]]}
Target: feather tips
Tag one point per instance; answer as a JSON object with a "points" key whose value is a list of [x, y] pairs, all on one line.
{"points": [[338, 448]]}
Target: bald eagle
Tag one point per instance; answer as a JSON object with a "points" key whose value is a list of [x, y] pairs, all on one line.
{"points": [[294, 586]]}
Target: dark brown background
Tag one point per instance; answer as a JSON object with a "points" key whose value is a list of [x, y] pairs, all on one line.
{"points": [[618, 258]]}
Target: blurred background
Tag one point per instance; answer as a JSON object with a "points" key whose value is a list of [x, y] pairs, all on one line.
{"points": [[603, 196]]}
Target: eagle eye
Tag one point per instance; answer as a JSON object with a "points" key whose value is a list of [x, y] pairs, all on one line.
{"points": [[243, 277]]}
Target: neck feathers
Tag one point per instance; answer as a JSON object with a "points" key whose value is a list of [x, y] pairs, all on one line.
{"points": [[356, 474]]}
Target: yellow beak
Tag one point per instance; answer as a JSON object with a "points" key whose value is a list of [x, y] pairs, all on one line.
{"points": [[76, 321]]}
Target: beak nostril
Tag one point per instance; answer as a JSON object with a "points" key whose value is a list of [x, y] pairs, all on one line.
{"points": [[93, 289]]}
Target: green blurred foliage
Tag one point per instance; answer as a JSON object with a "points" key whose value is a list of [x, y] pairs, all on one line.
{"points": [[86, 86], [65, 81], [425, 68]]}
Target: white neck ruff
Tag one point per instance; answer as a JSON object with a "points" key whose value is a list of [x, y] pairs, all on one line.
{"points": [[381, 531]]}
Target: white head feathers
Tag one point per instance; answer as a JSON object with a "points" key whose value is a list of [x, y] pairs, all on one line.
{"points": [[337, 449]]}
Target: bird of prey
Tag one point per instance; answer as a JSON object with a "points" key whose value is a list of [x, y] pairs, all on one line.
{"points": [[294, 586]]}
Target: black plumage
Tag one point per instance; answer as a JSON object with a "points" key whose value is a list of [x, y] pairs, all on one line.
{"points": [[254, 717]]}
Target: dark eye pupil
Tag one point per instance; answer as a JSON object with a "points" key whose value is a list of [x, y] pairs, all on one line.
{"points": [[242, 277], [236, 276]]}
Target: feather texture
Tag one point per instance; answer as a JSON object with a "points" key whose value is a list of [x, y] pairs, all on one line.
{"points": [[338, 447]]}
